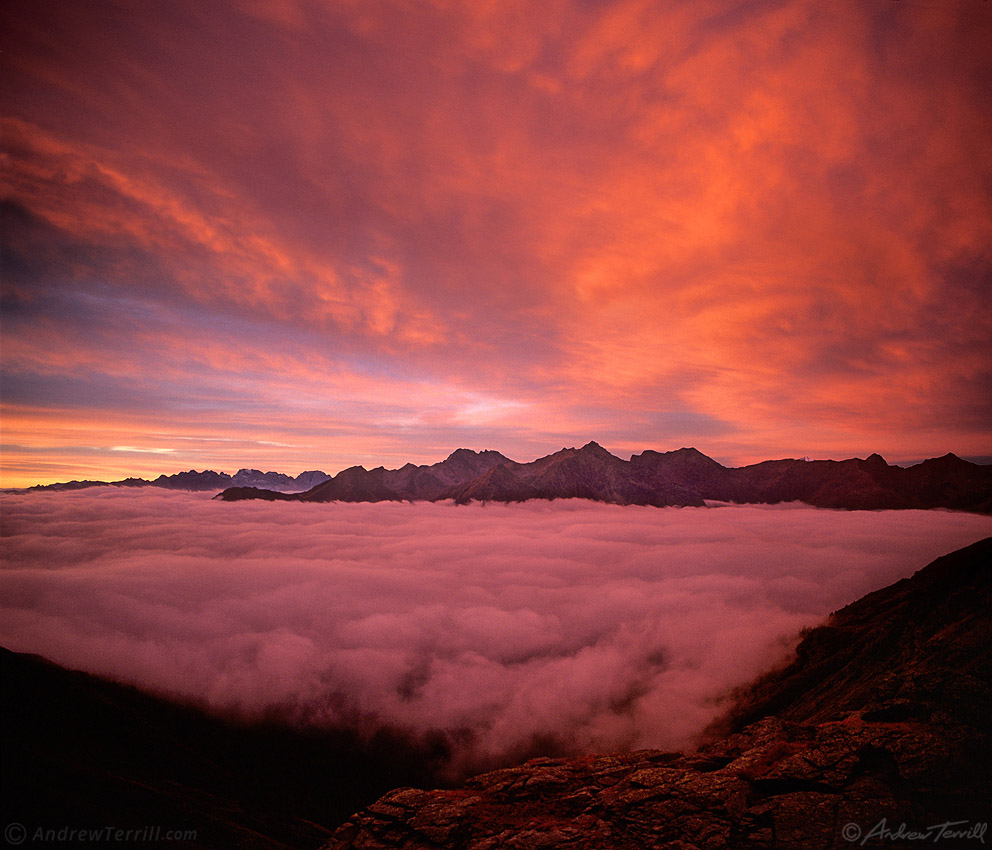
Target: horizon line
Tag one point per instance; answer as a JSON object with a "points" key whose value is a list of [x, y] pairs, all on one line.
{"points": [[978, 460]]}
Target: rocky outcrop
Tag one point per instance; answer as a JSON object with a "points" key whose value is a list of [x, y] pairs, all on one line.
{"points": [[879, 728]]}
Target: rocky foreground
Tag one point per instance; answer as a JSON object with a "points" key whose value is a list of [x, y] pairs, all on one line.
{"points": [[878, 734]]}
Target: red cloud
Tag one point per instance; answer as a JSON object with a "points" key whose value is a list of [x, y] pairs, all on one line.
{"points": [[773, 217]]}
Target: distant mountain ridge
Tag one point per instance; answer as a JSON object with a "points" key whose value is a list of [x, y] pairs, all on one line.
{"points": [[207, 480], [685, 477]]}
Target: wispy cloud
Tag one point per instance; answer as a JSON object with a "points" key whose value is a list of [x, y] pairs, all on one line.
{"points": [[771, 217]]}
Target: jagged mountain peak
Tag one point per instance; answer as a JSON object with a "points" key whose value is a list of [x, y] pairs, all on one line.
{"points": [[875, 463], [690, 453], [683, 457], [950, 459], [465, 454], [595, 449], [462, 466], [590, 449]]}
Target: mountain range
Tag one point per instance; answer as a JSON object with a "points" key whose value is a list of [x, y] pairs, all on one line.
{"points": [[685, 477], [206, 480]]}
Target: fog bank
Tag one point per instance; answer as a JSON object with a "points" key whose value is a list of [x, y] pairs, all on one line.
{"points": [[597, 625]]}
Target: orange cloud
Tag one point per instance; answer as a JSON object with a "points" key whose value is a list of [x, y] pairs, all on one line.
{"points": [[762, 229]]}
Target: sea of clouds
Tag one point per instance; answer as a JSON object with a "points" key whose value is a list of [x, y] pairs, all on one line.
{"points": [[595, 626]]}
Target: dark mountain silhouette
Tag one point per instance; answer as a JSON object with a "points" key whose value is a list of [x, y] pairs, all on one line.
{"points": [[409, 482], [882, 722], [685, 477], [207, 480], [499, 484], [192, 480], [357, 484]]}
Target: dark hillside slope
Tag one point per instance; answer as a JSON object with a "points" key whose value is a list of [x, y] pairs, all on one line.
{"points": [[921, 645], [85, 752]]}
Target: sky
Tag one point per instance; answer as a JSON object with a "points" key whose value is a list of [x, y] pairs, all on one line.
{"points": [[296, 235], [598, 627]]}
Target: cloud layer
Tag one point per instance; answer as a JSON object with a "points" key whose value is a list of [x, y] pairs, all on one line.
{"points": [[294, 234], [593, 626]]}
